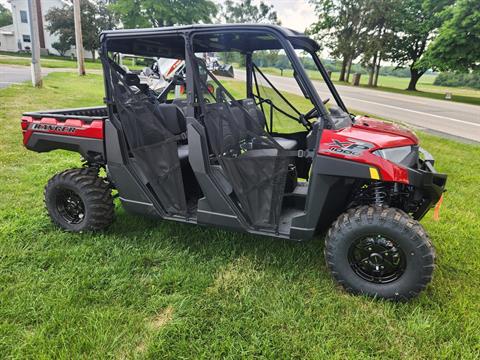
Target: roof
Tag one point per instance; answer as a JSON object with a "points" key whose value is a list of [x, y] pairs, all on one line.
{"points": [[200, 27], [211, 38], [7, 30]]}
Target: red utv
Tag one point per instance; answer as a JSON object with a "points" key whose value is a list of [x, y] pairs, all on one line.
{"points": [[252, 160]]}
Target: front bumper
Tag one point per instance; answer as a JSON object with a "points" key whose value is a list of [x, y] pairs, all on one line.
{"points": [[429, 184]]}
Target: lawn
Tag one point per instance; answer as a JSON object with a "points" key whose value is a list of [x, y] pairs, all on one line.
{"points": [[49, 62], [57, 62], [157, 289]]}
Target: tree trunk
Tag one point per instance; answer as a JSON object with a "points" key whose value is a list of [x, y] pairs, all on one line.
{"points": [[377, 70], [349, 68], [344, 68], [372, 70], [415, 75], [93, 55]]}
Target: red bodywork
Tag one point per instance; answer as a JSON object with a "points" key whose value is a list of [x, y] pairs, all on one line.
{"points": [[365, 136], [71, 127]]}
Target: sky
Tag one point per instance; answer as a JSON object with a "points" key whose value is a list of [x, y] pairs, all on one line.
{"points": [[294, 14]]}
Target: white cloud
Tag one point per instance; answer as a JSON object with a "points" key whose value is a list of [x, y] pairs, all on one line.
{"points": [[294, 14]]}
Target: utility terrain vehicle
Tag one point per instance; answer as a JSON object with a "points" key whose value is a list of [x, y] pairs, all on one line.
{"points": [[239, 154]]}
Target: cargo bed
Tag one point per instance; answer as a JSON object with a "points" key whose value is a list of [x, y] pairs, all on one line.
{"points": [[86, 113], [80, 130]]}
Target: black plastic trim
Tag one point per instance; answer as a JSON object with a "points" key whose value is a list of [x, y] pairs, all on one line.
{"points": [[90, 149], [430, 183]]}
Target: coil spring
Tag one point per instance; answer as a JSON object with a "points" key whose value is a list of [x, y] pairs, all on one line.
{"points": [[379, 193]]}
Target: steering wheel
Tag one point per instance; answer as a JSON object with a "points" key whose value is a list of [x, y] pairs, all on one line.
{"points": [[314, 113]]}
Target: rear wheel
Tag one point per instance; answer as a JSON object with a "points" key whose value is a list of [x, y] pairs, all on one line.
{"points": [[380, 252], [79, 200]]}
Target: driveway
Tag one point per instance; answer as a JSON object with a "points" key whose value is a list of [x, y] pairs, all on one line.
{"points": [[11, 74]]}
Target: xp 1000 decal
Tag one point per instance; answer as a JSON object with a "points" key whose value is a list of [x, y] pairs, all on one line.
{"points": [[349, 147]]}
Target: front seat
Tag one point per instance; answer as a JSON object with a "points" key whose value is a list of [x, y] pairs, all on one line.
{"points": [[287, 144]]}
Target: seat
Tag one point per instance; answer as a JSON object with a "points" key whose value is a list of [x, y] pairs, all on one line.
{"points": [[175, 123], [174, 119], [183, 152], [287, 144]]}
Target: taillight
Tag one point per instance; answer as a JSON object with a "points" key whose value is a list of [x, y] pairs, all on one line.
{"points": [[24, 124]]}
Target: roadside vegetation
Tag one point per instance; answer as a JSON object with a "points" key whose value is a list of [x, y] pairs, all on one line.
{"points": [[157, 289]]}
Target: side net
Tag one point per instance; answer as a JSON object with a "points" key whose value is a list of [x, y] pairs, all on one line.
{"points": [[253, 162], [152, 145]]}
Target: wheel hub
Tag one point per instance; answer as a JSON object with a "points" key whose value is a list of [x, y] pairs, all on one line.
{"points": [[70, 206], [377, 259]]}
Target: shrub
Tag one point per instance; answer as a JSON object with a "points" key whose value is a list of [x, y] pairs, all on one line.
{"points": [[456, 79]]}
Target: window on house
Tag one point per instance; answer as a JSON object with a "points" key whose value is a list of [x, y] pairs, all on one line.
{"points": [[23, 16], [26, 38]]}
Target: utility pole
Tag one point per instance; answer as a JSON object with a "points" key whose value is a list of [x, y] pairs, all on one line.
{"points": [[35, 42], [78, 37]]}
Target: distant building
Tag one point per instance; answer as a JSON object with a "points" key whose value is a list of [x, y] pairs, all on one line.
{"points": [[16, 37]]}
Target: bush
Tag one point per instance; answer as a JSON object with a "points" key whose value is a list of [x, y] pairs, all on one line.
{"points": [[456, 80]]}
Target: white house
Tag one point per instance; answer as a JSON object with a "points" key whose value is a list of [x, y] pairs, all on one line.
{"points": [[17, 37]]}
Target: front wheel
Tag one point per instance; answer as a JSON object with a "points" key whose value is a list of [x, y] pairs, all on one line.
{"points": [[380, 252]]}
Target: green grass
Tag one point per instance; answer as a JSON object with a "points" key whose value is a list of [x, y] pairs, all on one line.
{"points": [[158, 289], [398, 85], [57, 62], [49, 62]]}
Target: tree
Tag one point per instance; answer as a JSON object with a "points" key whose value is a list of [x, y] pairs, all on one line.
{"points": [[457, 46], [62, 45], [94, 20], [158, 13], [246, 12], [414, 28], [341, 24], [5, 16], [379, 23]]}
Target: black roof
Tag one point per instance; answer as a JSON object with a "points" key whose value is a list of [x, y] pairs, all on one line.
{"points": [[168, 41]]}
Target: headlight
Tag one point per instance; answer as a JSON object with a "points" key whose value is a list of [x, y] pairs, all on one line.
{"points": [[403, 155]]}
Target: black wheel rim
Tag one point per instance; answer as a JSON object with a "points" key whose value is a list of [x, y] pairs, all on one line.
{"points": [[70, 206], [377, 259]]}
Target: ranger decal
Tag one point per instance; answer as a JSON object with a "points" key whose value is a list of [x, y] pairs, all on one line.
{"points": [[50, 127]]}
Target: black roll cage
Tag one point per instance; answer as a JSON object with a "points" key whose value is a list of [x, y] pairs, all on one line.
{"points": [[285, 37]]}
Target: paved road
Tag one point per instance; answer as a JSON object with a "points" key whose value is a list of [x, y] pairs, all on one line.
{"points": [[448, 118], [16, 74], [10, 74]]}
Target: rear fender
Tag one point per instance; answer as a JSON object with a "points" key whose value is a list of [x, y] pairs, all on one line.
{"points": [[47, 134]]}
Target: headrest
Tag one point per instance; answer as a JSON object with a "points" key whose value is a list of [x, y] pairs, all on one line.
{"points": [[132, 79]]}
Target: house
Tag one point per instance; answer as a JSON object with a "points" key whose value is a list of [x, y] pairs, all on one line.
{"points": [[7, 38], [17, 37]]}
